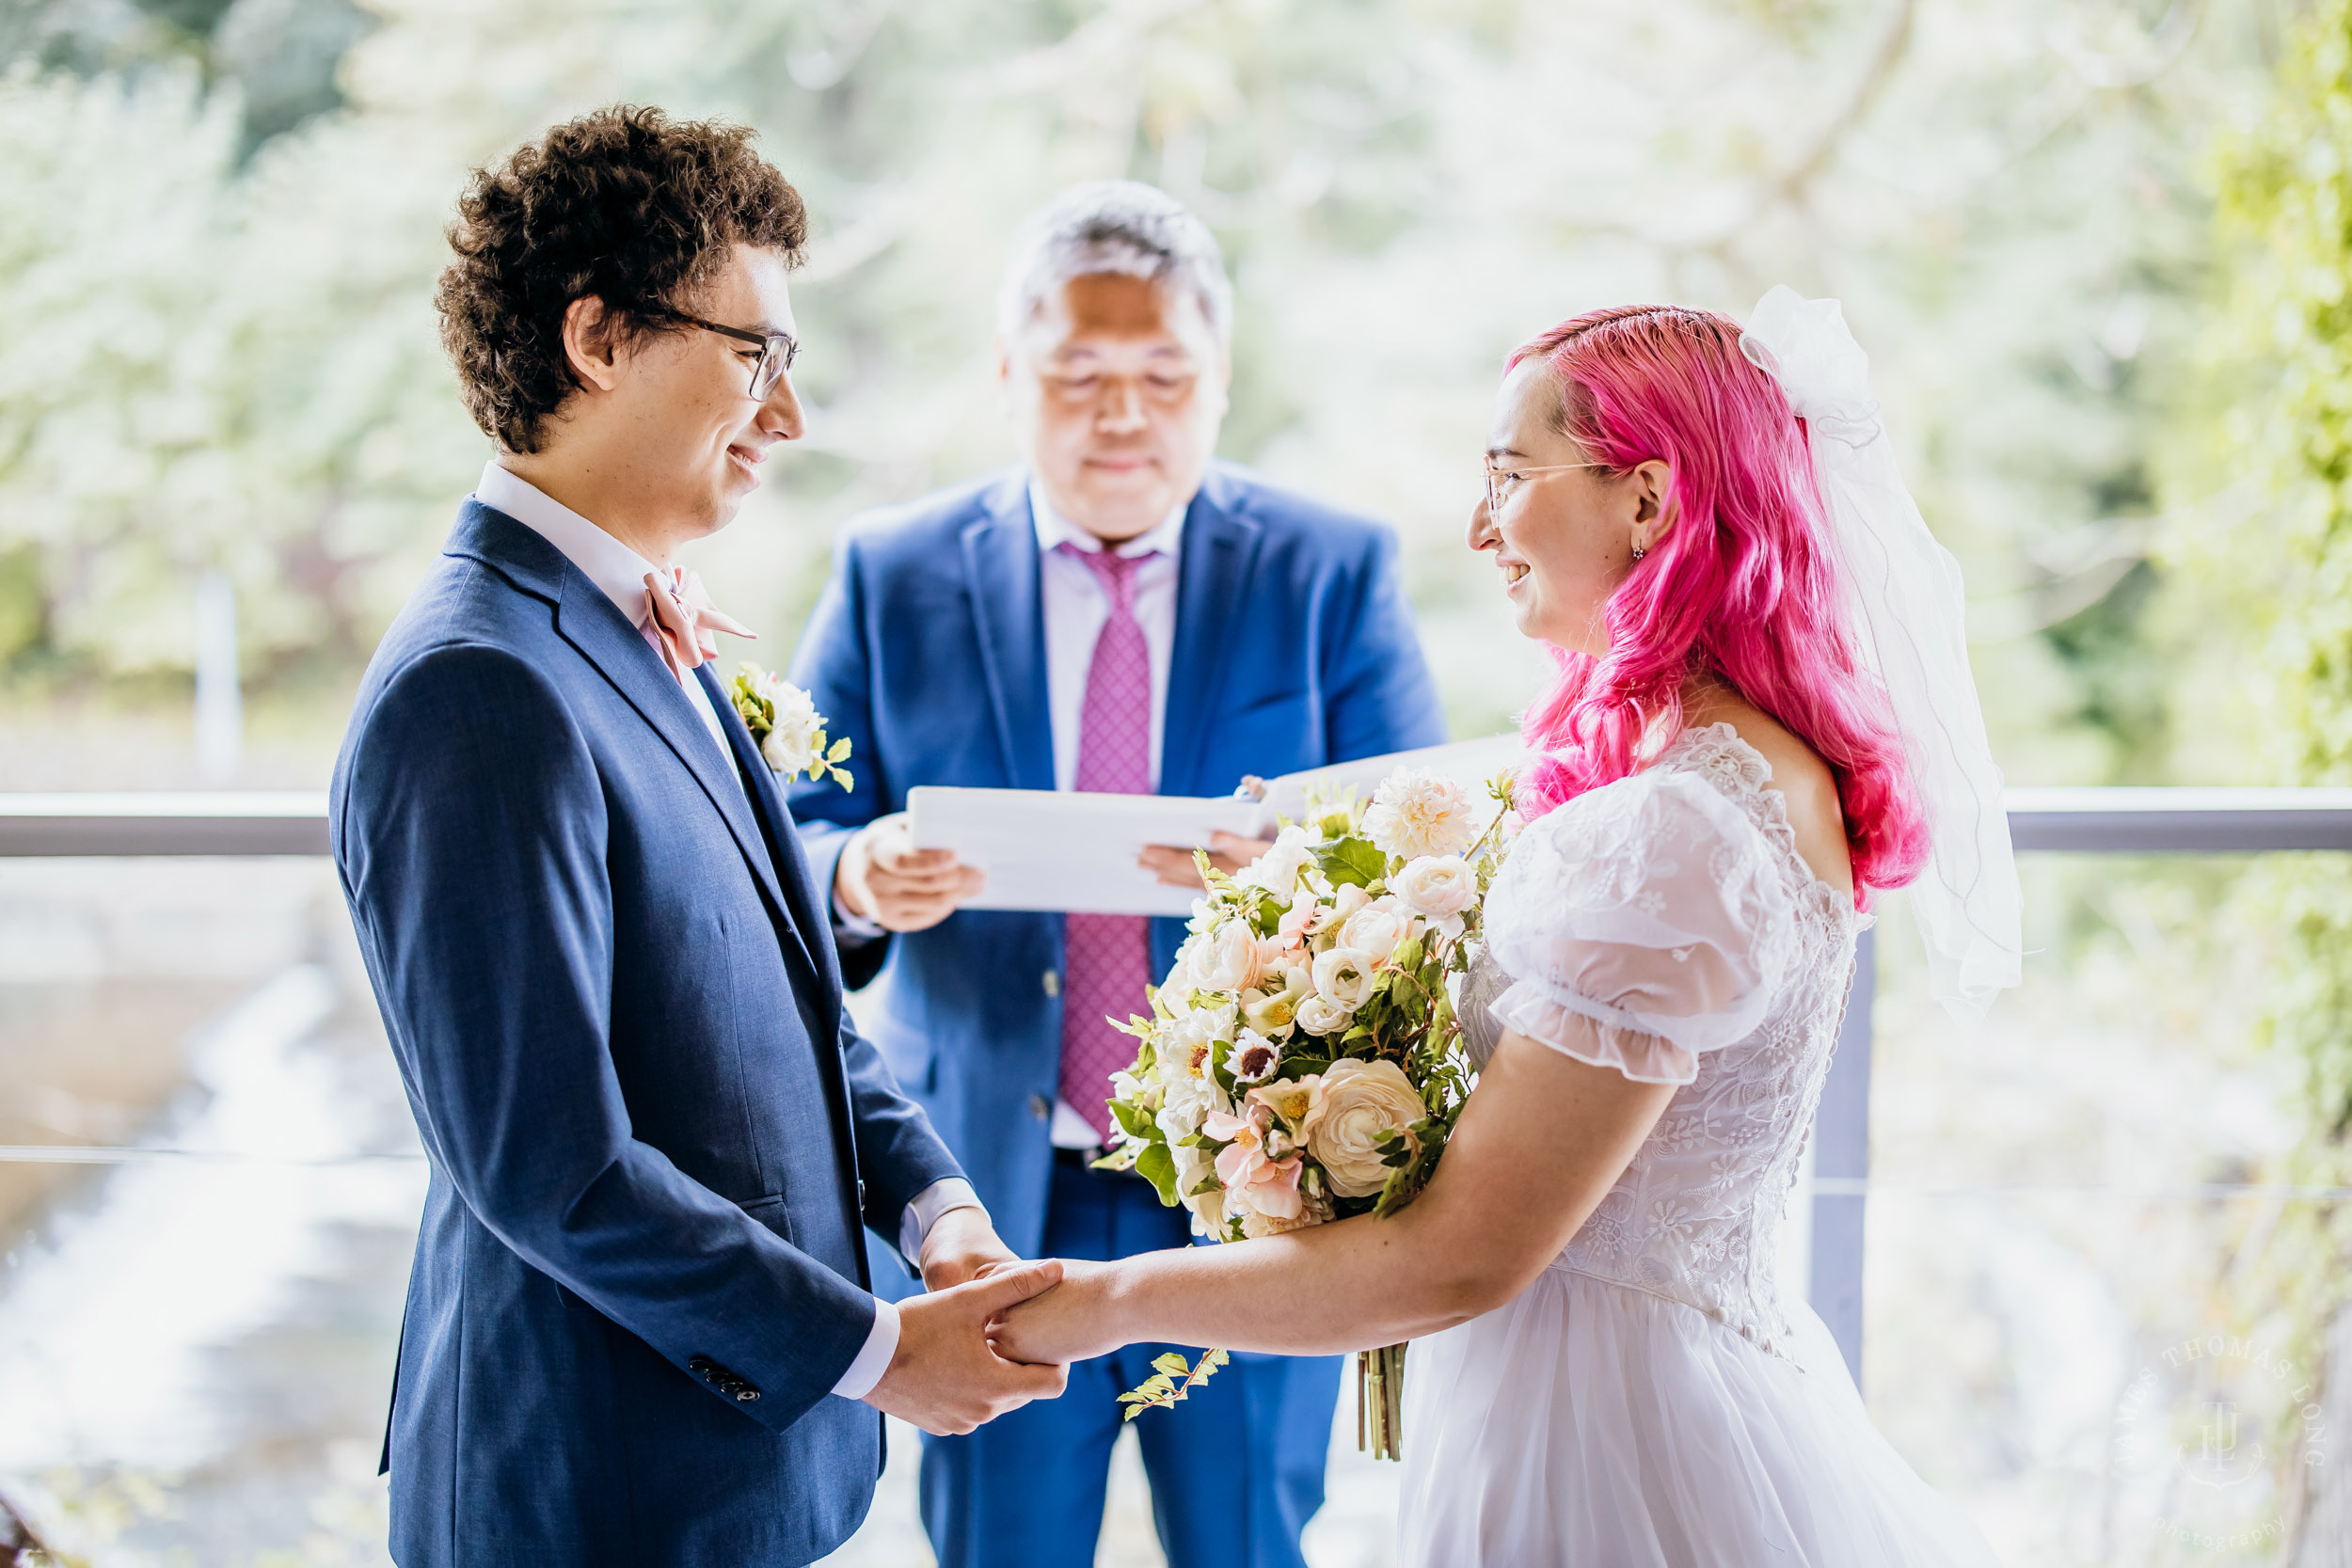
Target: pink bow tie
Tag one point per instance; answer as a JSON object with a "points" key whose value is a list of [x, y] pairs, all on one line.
{"points": [[684, 620]]}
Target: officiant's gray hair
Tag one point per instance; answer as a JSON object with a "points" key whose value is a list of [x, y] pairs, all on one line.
{"points": [[1115, 226]]}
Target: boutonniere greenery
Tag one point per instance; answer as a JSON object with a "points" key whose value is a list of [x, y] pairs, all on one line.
{"points": [[786, 727]]}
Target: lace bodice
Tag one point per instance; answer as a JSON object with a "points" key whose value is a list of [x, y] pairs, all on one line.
{"points": [[1672, 910]]}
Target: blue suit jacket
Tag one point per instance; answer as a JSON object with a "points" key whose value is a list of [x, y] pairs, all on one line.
{"points": [[1294, 648], [608, 978]]}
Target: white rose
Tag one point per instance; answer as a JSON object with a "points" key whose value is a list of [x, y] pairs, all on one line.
{"points": [[1320, 1017], [1377, 928], [1437, 887], [1343, 977], [789, 746], [1418, 812], [1278, 869], [1356, 1102], [1227, 959]]}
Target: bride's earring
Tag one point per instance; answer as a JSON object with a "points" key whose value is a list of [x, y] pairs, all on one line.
{"points": [[1639, 552]]}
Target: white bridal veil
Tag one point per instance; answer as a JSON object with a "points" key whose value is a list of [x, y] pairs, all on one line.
{"points": [[1908, 613]]}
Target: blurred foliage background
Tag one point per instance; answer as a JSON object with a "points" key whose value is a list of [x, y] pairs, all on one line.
{"points": [[2099, 249], [222, 220]]}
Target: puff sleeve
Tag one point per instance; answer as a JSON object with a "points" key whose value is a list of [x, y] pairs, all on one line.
{"points": [[1652, 908]]}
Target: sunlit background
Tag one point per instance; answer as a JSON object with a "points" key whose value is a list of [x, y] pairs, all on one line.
{"points": [[2097, 249]]}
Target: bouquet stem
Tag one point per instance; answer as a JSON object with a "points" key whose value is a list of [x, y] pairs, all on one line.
{"points": [[1380, 1401]]}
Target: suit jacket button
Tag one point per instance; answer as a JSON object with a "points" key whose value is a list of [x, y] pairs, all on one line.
{"points": [[746, 1396], [1039, 1107], [1052, 983], [698, 1364]]}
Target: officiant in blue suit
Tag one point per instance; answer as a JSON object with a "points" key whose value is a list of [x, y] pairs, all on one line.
{"points": [[1119, 613]]}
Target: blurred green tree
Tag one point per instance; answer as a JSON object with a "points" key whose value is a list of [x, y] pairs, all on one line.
{"points": [[2002, 192], [2277, 578]]}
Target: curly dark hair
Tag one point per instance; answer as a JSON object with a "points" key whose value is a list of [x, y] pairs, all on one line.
{"points": [[624, 204]]}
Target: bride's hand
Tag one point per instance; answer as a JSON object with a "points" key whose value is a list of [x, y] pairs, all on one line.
{"points": [[1073, 1322]]}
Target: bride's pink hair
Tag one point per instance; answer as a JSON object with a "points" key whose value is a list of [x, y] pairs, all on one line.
{"points": [[1742, 585]]}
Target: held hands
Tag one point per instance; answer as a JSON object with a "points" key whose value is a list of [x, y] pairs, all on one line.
{"points": [[945, 1377], [1228, 852], [1074, 1321], [883, 878]]}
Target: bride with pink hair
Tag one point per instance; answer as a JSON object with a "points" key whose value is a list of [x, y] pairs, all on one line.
{"points": [[1762, 713]]}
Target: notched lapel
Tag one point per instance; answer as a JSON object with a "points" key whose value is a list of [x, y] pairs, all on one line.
{"points": [[1221, 543], [1001, 573], [594, 625], [807, 910]]}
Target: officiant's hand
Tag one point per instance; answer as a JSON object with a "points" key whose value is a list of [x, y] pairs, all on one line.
{"points": [[1228, 852], [946, 1378], [963, 1245], [883, 878]]}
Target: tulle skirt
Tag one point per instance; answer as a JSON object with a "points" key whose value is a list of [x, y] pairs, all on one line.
{"points": [[1593, 1425]]}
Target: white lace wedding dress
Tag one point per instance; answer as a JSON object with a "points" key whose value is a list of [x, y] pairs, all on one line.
{"points": [[1653, 1399]]}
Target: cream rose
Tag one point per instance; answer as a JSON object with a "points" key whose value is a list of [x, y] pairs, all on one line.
{"points": [[1437, 887], [1227, 959], [1343, 977], [1320, 1017], [1357, 1103], [1377, 929]]}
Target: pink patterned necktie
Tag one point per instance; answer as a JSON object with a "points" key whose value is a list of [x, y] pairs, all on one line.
{"points": [[1108, 957]]}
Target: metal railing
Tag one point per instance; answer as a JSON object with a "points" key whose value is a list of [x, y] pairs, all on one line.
{"points": [[2076, 821]]}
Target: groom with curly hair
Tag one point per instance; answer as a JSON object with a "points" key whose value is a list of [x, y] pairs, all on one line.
{"points": [[640, 1327]]}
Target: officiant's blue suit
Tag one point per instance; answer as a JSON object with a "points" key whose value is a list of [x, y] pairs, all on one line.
{"points": [[654, 1141], [1294, 647]]}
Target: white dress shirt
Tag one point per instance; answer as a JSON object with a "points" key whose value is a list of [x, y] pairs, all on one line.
{"points": [[620, 571], [1076, 606]]}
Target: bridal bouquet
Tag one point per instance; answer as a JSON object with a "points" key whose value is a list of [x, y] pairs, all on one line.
{"points": [[1303, 1061]]}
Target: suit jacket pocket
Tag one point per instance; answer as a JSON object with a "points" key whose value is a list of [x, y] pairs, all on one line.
{"points": [[773, 1212]]}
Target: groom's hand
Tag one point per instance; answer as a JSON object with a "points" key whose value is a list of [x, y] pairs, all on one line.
{"points": [[946, 1378], [883, 878], [963, 1245]]}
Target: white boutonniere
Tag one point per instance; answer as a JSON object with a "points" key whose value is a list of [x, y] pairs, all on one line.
{"points": [[786, 727]]}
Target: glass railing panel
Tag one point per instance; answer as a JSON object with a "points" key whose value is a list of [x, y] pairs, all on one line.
{"points": [[2077, 1226], [208, 1202]]}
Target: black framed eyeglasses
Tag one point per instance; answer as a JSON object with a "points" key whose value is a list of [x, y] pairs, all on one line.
{"points": [[777, 350]]}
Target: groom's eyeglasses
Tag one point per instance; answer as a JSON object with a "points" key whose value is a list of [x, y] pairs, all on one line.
{"points": [[1501, 483], [777, 350]]}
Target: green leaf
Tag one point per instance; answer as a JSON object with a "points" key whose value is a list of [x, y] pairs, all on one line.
{"points": [[1351, 860], [1158, 1167], [840, 752], [1134, 1121], [1171, 1362]]}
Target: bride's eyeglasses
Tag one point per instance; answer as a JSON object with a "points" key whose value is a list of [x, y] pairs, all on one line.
{"points": [[1502, 483]]}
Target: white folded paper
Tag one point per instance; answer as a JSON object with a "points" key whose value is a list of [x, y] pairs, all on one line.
{"points": [[1061, 851]]}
